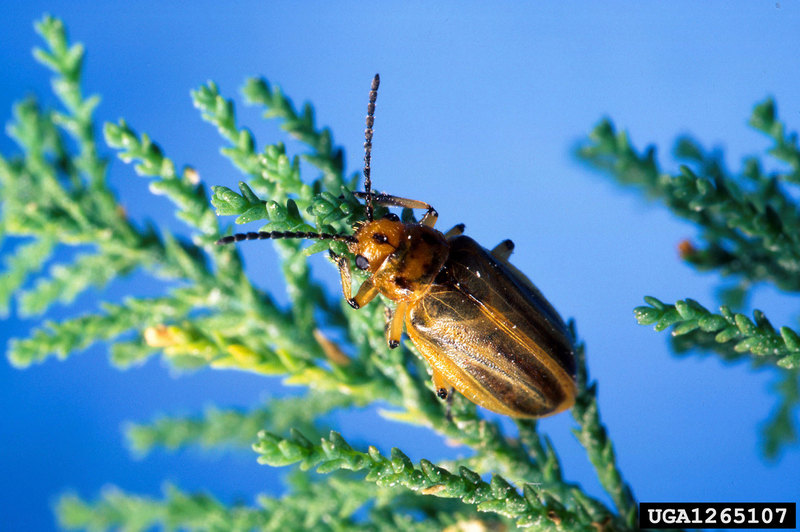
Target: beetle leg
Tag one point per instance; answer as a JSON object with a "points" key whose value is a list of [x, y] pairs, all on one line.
{"points": [[502, 251], [455, 231], [344, 272], [387, 200], [394, 324], [429, 219], [366, 291]]}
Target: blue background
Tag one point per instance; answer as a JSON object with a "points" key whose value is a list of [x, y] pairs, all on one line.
{"points": [[479, 109]]}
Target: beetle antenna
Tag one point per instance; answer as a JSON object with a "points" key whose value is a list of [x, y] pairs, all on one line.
{"points": [[373, 95], [272, 235]]}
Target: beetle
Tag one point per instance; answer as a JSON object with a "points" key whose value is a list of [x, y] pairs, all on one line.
{"points": [[483, 327]]}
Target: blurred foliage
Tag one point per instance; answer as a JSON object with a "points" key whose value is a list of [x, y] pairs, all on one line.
{"points": [[69, 234], [749, 233]]}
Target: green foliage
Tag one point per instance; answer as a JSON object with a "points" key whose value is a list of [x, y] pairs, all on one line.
{"points": [[236, 428], [533, 508], [749, 224], [757, 337], [55, 195], [335, 502]]}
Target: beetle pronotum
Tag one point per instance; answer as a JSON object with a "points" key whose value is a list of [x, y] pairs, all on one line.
{"points": [[483, 327]]}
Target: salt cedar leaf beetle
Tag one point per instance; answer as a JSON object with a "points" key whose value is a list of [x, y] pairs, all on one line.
{"points": [[484, 328]]}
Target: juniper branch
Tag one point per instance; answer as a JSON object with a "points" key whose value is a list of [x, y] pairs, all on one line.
{"points": [[749, 233], [764, 119], [750, 223], [272, 172], [65, 337], [234, 427], [756, 336], [535, 508], [27, 261], [65, 194], [732, 336], [67, 62], [335, 508], [236, 290], [325, 155]]}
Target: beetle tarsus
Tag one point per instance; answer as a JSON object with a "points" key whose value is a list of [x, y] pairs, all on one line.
{"points": [[354, 303], [442, 393], [393, 344]]}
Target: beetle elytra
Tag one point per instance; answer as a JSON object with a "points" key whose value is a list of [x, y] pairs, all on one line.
{"points": [[483, 327]]}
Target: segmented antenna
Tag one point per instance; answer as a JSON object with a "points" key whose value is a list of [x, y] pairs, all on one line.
{"points": [[265, 235], [373, 95]]}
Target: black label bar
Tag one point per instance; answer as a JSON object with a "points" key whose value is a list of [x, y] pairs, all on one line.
{"points": [[718, 515]]}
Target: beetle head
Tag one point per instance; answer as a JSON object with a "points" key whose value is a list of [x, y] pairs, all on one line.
{"points": [[375, 241]]}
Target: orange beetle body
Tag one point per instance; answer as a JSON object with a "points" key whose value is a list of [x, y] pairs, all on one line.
{"points": [[482, 326]]}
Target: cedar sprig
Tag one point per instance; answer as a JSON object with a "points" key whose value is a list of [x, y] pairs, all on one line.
{"points": [[756, 336], [236, 428], [325, 155], [749, 223], [340, 504], [534, 508], [785, 148], [733, 336]]}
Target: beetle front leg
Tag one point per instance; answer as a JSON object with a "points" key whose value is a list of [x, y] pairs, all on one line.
{"points": [[429, 219], [387, 200], [367, 290], [366, 293]]}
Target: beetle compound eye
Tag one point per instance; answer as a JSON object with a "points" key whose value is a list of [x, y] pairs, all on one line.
{"points": [[361, 262], [391, 217]]}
